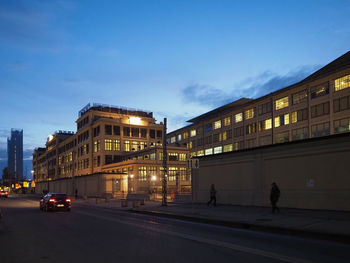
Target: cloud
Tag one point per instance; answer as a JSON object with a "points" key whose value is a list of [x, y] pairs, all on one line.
{"points": [[203, 95], [253, 87]]}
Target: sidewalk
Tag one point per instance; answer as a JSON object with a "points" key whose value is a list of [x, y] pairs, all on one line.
{"points": [[334, 225]]}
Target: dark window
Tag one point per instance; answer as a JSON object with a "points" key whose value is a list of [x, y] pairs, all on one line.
{"points": [[265, 108], [159, 134], [126, 132], [319, 91], [251, 128], [208, 139], [108, 129], [238, 131], [97, 131], [208, 127], [152, 134], [116, 130], [320, 110], [143, 133], [108, 159], [135, 132]]}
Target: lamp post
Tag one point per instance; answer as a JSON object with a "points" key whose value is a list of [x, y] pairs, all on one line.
{"points": [[164, 184]]}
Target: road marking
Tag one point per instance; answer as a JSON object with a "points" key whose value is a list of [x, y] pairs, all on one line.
{"points": [[208, 241]]}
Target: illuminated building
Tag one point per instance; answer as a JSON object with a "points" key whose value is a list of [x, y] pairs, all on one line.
{"points": [[97, 154], [317, 106]]}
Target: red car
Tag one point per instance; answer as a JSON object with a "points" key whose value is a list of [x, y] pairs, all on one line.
{"points": [[4, 193], [55, 201]]}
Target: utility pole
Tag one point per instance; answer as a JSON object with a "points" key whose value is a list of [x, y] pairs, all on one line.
{"points": [[164, 185]]}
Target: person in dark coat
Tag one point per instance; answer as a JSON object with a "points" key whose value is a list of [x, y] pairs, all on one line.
{"points": [[274, 196], [212, 195]]}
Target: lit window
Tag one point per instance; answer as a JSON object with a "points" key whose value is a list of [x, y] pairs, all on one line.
{"points": [[96, 146], [249, 114], [179, 137], [116, 145], [217, 124], [265, 125], [200, 153], [193, 133], [282, 103], [218, 150], [182, 157], [142, 174], [238, 117], [209, 151], [127, 146], [228, 148], [173, 139], [108, 145], [277, 121], [342, 83], [286, 119], [294, 117], [185, 135], [227, 121], [223, 136], [172, 173], [189, 145]]}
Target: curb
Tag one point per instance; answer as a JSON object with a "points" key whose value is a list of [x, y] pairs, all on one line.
{"points": [[250, 226]]}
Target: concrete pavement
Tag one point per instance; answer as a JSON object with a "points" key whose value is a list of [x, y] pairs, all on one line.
{"points": [[334, 225]]}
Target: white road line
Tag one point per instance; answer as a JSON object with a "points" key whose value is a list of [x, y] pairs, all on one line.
{"points": [[249, 250]]}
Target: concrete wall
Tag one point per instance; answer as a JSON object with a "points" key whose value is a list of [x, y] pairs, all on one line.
{"points": [[312, 174], [95, 185]]}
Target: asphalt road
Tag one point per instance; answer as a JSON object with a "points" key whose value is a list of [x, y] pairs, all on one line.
{"points": [[92, 234]]}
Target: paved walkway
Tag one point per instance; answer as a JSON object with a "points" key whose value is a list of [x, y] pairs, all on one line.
{"points": [[315, 223]]}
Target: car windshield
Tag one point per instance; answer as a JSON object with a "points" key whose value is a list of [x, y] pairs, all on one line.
{"points": [[59, 196]]}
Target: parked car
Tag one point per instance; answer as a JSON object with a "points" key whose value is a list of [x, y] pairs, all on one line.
{"points": [[55, 201], [4, 193]]}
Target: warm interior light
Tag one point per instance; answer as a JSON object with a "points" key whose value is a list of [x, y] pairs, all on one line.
{"points": [[131, 176], [154, 178], [135, 120]]}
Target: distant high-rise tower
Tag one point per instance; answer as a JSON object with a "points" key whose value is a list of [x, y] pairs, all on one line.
{"points": [[15, 155]]}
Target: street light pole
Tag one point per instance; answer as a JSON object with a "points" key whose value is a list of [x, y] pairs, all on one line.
{"points": [[164, 185]]}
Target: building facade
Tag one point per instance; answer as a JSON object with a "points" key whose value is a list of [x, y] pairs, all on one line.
{"points": [[105, 137], [317, 106], [15, 155]]}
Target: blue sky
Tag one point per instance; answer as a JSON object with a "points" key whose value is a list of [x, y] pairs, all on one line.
{"points": [[177, 59]]}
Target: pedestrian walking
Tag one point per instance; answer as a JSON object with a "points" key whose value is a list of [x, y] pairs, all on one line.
{"points": [[274, 196], [212, 195]]}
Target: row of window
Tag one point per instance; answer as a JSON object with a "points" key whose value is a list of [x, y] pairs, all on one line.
{"points": [[317, 130], [298, 97], [152, 173]]}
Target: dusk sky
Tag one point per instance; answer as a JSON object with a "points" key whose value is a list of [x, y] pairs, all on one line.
{"points": [[176, 58]]}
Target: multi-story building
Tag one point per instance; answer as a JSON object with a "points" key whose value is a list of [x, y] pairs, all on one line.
{"points": [[15, 155], [317, 106], [143, 171], [105, 136]]}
